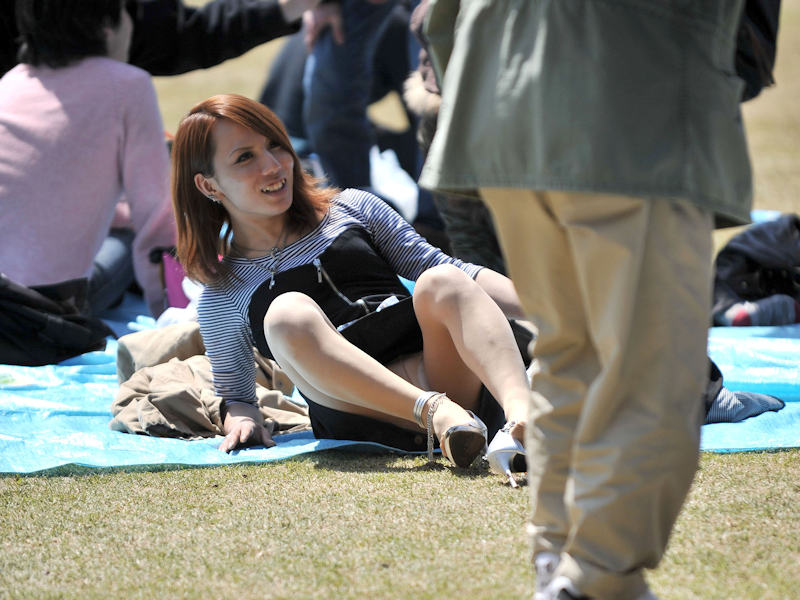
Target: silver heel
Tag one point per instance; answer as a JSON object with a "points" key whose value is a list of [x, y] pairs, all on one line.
{"points": [[502, 452]]}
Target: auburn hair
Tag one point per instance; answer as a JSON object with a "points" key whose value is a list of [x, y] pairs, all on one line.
{"points": [[204, 227]]}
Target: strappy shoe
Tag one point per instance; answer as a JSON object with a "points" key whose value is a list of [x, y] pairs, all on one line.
{"points": [[506, 454], [460, 444]]}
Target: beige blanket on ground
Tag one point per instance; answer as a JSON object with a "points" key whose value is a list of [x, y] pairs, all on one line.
{"points": [[166, 388]]}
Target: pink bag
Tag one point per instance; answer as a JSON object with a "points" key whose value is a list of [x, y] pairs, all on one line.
{"points": [[173, 278]]}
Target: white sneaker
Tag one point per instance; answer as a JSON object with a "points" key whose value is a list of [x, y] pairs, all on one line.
{"points": [[545, 564], [562, 588]]}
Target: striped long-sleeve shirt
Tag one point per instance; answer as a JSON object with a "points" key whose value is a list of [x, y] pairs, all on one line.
{"points": [[223, 307]]}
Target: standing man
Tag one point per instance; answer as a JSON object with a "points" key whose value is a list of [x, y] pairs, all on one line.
{"points": [[343, 37], [605, 136]]}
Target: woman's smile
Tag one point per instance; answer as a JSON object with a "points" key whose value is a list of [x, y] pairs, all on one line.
{"points": [[275, 187]]}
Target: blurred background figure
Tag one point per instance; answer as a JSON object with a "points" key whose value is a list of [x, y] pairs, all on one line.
{"points": [[358, 50], [78, 129], [170, 37]]}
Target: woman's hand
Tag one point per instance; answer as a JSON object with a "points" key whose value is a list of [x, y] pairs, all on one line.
{"points": [[244, 426]]}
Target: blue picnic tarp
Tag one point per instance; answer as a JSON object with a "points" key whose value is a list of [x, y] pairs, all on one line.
{"points": [[58, 415]]}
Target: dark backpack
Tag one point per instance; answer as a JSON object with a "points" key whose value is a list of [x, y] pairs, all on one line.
{"points": [[47, 324], [756, 44]]}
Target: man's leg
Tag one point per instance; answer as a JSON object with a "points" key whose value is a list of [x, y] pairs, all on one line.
{"points": [[539, 261], [646, 265], [337, 83], [643, 278], [469, 228]]}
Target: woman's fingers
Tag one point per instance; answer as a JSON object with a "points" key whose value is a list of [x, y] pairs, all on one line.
{"points": [[244, 432], [230, 441], [266, 438]]}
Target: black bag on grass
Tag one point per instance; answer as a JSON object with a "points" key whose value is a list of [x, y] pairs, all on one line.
{"points": [[47, 324]]}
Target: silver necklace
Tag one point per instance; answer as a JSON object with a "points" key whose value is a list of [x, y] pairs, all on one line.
{"points": [[274, 253]]}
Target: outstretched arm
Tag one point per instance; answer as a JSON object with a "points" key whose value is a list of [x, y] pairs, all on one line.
{"points": [[410, 255], [170, 38], [230, 351]]}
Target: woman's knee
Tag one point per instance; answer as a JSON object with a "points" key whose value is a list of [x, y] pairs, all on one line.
{"points": [[442, 285], [292, 318]]}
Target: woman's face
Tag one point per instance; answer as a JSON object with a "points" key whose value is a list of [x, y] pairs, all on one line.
{"points": [[118, 40], [252, 175]]}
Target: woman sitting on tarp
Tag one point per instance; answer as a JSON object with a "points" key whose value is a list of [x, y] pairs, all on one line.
{"points": [[80, 130], [309, 277]]}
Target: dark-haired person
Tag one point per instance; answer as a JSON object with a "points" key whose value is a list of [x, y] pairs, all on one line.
{"points": [[171, 38], [79, 129], [299, 264]]}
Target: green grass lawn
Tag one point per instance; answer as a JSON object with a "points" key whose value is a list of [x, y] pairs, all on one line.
{"points": [[353, 526], [346, 525]]}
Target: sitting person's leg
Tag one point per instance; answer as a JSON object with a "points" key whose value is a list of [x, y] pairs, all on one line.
{"points": [[468, 342], [725, 406], [112, 270], [335, 374]]}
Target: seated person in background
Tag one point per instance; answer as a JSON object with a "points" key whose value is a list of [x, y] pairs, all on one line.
{"points": [[79, 129], [300, 263]]}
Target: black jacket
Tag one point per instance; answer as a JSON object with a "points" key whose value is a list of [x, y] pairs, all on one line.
{"points": [[761, 261], [170, 38]]}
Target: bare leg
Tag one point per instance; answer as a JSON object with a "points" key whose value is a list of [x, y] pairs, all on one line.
{"points": [[334, 373], [467, 340]]}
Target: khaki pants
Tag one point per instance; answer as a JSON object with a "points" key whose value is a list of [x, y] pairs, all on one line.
{"points": [[619, 288]]}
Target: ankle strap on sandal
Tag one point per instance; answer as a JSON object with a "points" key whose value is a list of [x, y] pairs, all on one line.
{"points": [[435, 400], [419, 406], [509, 426]]}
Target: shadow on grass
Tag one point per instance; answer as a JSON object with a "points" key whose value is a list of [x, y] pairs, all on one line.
{"points": [[358, 461]]}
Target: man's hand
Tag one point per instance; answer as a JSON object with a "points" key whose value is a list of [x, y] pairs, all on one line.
{"points": [[243, 427], [294, 9], [317, 19]]}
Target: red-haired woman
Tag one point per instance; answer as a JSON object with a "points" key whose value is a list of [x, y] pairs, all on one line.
{"points": [[303, 269]]}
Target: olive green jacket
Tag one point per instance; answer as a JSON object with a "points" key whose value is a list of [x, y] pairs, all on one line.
{"points": [[632, 97]]}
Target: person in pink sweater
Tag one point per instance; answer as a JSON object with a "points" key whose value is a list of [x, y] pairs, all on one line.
{"points": [[80, 131]]}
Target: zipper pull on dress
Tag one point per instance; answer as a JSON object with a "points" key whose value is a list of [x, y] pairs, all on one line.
{"points": [[316, 262]]}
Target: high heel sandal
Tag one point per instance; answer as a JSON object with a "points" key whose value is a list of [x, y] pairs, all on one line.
{"points": [[461, 444], [506, 454]]}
